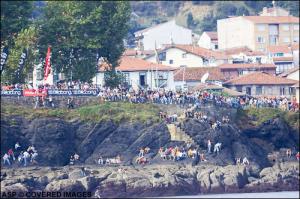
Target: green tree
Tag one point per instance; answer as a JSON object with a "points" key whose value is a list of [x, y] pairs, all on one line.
{"points": [[85, 29], [190, 20], [25, 41], [15, 16]]}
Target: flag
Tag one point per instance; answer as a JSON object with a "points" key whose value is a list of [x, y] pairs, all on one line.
{"points": [[47, 64], [4, 54], [156, 54], [21, 64], [204, 77]]}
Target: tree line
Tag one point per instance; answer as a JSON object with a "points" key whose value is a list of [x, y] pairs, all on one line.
{"points": [[78, 33]]}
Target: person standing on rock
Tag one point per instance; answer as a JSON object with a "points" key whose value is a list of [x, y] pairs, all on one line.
{"points": [[245, 161], [97, 194], [217, 147], [11, 154], [6, 159], [141, 154], [76, 158], [298, 156], [209, 146], [289, 153]]}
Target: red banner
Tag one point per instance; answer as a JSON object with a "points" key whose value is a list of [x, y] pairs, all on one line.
{"points": [[47, 64], [34, 93]]}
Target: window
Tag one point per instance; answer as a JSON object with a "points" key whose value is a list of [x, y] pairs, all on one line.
{"points": [[171, 61], [278, 55], [282, 91], [292, 91], [261, 27], [296, 26], [184, 55], [273, 39], [239, 89], [285, 27], [240, 72], [162, 56], [162, 80], [258, 90], [260, 39], [126, 77], [286, 39], [216, 47]]}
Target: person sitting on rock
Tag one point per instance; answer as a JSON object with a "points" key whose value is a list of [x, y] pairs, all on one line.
{"points": [[76, 158], [298, 156], [147, 149], [289, 153], [100, 160], [33, 157], [72, 160], [11, 154], [190, 153], [17, 146], [194, 153], [202, 157], [245, 161], [21, 157], [82, 172], [6, 159], [238, 161]]}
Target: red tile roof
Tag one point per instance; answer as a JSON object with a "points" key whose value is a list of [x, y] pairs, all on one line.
{"points": [[202, 52], [242, 49], [135, 64], [213, 35], [279, 49], [272, 19], [250, 65], [195, 74], [278, 59], [260, 78]]}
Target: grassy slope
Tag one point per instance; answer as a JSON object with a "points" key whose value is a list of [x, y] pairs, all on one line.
{"points": [[256, 117], [115, 111]]}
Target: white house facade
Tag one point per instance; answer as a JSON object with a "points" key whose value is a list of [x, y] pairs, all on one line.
{"points": [[164, 33], [139, 73], [209, 40]]}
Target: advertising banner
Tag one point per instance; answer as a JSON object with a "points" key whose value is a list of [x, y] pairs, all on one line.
{"points": [[33, 93], [72, 92], [13, 93]]}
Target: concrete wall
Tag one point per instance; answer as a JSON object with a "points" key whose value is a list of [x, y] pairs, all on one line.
{"points": [[234, 32], [205, 41]]}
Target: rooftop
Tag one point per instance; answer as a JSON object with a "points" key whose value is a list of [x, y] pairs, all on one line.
{"points": [[212, 35], [260, 78], [196, 73], [242, 49], [250, 65], [135, 64]]}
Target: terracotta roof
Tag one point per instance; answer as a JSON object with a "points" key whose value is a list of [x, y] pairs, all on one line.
{"points": [[272, 19], [241, 49], [135, 64], [250, 65], [278, 59], [202, 52], [195, 74], [279, 49], [260, 78], [297, 85], [213, 35]]}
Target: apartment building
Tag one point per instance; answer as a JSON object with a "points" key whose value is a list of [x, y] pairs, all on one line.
{"points": [[257, 32]]}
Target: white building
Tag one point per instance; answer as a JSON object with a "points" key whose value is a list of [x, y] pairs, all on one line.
{"points": [[141, 74], [285, 57], [209, 40], [187, 56], [164, 33]]}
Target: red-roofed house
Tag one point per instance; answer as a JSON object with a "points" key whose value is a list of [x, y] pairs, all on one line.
{"points": [[260, 83], [257, 32], [209, 40], [190, 77], [140, 73], [188, 55], [235, 70]]}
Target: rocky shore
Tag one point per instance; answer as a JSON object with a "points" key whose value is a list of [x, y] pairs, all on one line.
{"points": [[152, 180]]}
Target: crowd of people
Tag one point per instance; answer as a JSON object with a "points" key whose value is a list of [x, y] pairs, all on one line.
{"points": [[162, 96], [20, 157]]}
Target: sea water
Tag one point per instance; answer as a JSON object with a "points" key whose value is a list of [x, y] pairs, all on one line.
{"points": [[283, 194]]}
